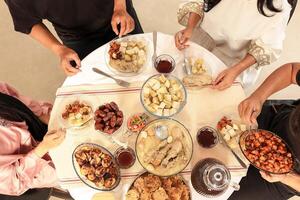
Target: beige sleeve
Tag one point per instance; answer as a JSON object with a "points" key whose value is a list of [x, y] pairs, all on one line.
{"points": [[268, 47], [188, 6]]}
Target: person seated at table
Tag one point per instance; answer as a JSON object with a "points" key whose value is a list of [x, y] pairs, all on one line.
{"points": [[82, 26], [25, 141], [245, 35], [282, 119]]}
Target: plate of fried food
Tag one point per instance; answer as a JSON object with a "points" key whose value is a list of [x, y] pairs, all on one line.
{"points": [[76, 114], [128, 56], [96, 167], [267, 151], [164, 153], [163, 95], [230, 130], [150, 186], [108, 118]]}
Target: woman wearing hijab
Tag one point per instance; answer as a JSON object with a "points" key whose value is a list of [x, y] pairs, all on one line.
{"points": [[25, 141]]}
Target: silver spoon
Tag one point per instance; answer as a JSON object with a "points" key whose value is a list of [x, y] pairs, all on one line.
{"points": [[118, 81], [161, 132]]}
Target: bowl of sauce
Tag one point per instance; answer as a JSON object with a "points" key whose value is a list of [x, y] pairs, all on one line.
{"points": [[207, 137], [164, 64], [125, 157]]}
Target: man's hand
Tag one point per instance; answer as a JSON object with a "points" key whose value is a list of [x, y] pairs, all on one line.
{"points": [[67, 55], [250, 108], [126, 22]]}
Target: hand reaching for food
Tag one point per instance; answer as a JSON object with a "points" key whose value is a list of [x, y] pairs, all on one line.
{"points": [[249, 109], [67, 56], [51, 140], [225, 79], [182, 37], [126, 22]]}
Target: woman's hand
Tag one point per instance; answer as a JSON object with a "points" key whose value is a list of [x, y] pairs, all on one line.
{"points": [[272, 178], [225, 79], [182, 37], [250, 108], [51, 140], [67, 55], [126, 22]]}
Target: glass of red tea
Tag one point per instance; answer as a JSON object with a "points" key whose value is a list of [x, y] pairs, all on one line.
{"points": [[125, 157], [164, 64], [207, 137]]}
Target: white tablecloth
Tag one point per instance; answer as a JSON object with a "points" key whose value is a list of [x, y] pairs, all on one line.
{"points": [[209, 111]]}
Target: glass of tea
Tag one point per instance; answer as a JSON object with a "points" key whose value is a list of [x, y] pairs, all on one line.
{"points": [[125, 157], [207, 137], [164, 64]]}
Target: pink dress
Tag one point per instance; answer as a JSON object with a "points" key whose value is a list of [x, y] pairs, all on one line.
{"points": [[20, 168]]}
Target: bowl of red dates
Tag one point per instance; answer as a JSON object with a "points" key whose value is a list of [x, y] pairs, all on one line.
{"points": [[266, 151], [108, 118]]}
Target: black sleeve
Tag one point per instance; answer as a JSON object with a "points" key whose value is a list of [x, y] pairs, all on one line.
{"points": [[298, 78], [23, 18]]}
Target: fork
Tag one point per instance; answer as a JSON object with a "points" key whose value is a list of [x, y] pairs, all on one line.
{"points": [[118, 81]]}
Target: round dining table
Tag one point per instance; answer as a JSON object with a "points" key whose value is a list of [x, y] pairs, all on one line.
{"points": [[204, 106]]}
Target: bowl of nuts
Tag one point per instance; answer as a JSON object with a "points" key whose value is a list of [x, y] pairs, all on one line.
{"points": [[266, 151]]}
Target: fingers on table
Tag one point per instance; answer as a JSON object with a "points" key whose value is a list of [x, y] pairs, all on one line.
{"points": [[219, 78]]}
